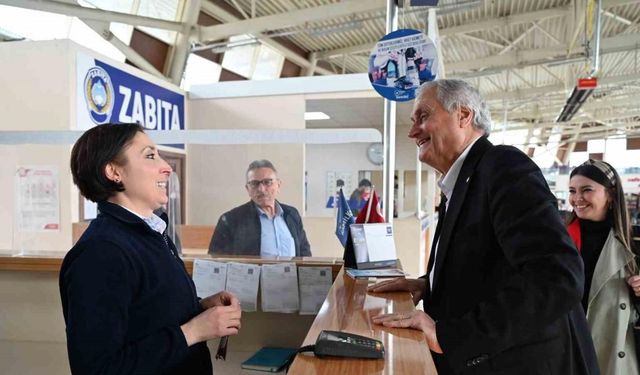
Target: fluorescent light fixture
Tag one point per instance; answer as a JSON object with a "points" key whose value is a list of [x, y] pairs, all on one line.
{"points": [[316, 116], [573, 104]]}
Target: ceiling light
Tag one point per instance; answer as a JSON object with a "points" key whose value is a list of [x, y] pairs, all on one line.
{"points": [[573, 104], [316, 116]]}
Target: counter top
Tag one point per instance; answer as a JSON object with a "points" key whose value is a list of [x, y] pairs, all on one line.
{"points": [[51, 261], [349, 308]]}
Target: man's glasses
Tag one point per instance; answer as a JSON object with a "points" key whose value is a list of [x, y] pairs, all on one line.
{"points": [[254, 184]]}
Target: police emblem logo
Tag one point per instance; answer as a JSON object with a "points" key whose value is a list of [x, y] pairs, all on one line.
{"points": [[98, 94]]}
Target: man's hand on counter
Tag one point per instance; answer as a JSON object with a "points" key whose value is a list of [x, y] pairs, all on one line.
{"points": [[414, 319], [400, 284]]}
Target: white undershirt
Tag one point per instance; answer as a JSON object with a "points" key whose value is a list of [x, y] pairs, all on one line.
{"points": [[446, 184]]}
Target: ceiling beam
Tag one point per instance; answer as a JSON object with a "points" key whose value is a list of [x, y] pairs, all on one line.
{"points": [[224, 16], [102, 29], [517, 40], [603, 133], [614, 3], [181, 48], [528, 93], [601, 118], [620, 104], [480, 40], [584, 137], [486, 24], [94, 14], [507, 21], [288, 19], [522, 58]]}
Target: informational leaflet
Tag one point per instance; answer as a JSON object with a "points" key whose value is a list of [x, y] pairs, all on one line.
{"points": [[314, 283], [279, 287], [242, 281], [210, 277], [37, 198], [379, 238]]}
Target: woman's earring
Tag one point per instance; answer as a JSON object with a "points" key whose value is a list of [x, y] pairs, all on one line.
{"points": [[117, 181]]}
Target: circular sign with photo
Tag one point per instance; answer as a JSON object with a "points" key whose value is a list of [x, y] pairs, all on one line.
{"points": [[400, 62]]}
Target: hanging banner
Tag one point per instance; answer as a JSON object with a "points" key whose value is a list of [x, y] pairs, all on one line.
{"points": [[400, 62], [37, 199], [106, 94]]}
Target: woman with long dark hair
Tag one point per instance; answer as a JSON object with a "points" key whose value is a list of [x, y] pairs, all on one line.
{"points": [[599, 225]]}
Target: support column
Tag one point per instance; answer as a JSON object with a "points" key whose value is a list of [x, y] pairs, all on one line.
{"points": [[311, 70], [389, 138], [183, 41]]}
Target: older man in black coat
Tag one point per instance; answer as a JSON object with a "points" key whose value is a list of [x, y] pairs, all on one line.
{"points": [[504, 281]]}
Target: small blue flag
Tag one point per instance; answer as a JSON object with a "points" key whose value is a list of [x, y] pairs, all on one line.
{"points": [[344, 218]]}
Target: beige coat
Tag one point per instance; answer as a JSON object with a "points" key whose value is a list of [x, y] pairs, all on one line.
{"points": [[610, 312]]}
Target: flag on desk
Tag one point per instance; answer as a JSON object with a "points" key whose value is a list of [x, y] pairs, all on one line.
{"points": [[371, 212], [344, 218]]}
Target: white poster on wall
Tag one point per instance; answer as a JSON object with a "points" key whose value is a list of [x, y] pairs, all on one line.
{"points": [[334, 181], [37, 199]]}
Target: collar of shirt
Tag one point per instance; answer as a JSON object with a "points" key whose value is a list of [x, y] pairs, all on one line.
{"points": [[154, 221], [448, 181], [275, 237], [262, 212]]}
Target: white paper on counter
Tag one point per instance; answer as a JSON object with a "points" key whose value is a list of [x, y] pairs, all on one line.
{"points": [[242, 281], [380, 242], [314, 284], [279, 287], [209, 276]]}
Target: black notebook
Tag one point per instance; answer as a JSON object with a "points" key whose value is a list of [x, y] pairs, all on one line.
{"points": [[269, 359]]}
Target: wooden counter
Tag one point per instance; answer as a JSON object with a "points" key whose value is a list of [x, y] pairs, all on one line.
{"points": [[32, 329], [51, 261], [349, 308]]}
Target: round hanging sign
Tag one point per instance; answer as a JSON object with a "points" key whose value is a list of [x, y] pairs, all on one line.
{"points": [[400, 62]]}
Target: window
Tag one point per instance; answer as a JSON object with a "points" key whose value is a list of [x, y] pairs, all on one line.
{"points": [[162, 9], [37, 25], [240, 55], [245, 56], [269, 64], [200, 71]]}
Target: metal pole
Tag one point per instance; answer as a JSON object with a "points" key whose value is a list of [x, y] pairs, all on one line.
{"points": [[596, 47], [389, 138]]}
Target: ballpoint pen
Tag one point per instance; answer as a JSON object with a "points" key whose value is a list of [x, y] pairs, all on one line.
{"points": [[222, 348], [221, 353]]}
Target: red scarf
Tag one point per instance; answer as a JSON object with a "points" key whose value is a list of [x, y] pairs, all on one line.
{"points": [[574, 231]]}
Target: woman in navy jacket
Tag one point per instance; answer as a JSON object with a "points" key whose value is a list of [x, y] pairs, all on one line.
{"points": [[129, 304]]}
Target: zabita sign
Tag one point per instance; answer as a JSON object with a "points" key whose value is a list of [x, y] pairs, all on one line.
{"points": [[108, 94]]}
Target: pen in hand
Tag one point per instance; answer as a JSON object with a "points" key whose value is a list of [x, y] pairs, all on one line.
{"points": [[222, 348], [221, 353]]}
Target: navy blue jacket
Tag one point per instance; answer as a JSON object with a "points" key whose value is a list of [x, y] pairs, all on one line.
{"points": [[125, 294], [238, 231]]}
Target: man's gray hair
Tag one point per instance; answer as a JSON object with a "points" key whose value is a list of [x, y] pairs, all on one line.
{"points": [[452, 93], [263, 163]]}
